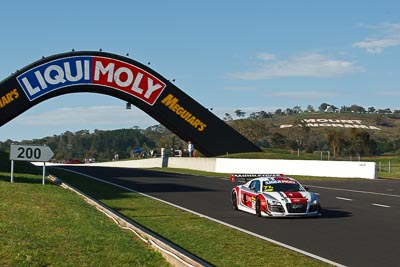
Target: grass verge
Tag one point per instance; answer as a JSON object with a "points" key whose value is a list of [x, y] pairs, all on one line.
{"points": [[49, 226], [217, 244]]}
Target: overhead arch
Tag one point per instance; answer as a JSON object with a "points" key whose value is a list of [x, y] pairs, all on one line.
{"points": [[129, 80]]}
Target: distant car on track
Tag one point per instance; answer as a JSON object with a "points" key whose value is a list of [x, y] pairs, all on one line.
{"points": [[72, 161], [275, 195]]}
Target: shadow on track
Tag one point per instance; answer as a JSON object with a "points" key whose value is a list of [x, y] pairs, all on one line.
{"points": [[328, 213]]}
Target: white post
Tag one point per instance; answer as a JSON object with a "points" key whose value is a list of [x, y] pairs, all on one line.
{"points": [[44, 172], [12, 171]]}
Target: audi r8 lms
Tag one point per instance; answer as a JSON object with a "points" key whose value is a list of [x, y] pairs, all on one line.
{"points": [[275, 196]]}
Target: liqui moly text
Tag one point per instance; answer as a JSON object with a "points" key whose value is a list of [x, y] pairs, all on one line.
{"points": [[85, 70]]}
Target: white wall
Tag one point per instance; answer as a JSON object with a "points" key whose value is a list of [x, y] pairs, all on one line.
{"points": [[341, 169], [140, 163], [201, 164]]}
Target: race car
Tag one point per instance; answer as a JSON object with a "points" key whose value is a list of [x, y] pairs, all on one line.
{"points": [[275, 195]]}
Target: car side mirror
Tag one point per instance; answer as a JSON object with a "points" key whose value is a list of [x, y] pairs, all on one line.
{"points": [[306, 188]]}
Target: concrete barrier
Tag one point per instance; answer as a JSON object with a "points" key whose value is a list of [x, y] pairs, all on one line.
{"points": [[137, 163], [340, 169], [201, 164]]}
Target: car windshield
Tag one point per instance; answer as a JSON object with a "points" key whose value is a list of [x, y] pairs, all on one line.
{"points": [[281, 186]]}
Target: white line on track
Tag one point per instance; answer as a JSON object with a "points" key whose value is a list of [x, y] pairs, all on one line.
{"points": [[355, 191], [342, 198], [215, 220], [380, 205]]}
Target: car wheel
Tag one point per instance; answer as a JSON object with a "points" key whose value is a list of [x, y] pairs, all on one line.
{"points": [[234, 200], [258, 207]]}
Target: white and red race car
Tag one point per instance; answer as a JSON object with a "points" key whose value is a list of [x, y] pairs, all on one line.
{"points": [[274, 195]]}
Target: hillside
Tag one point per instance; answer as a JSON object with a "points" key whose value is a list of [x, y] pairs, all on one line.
{"points": [[381, 128], [386, 126], [350, 133], [343, 134]]}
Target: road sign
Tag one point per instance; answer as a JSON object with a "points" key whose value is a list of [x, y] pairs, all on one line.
{"points": [[30, 153]]}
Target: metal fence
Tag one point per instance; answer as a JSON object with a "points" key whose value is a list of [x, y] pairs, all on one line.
{"points": [[388, 168]]}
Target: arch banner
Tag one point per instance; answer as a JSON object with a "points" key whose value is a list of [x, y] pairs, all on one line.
{"points": [[129, 80]]}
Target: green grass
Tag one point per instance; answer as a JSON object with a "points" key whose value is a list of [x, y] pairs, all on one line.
{"points": [[49, 226], [206, 239]]}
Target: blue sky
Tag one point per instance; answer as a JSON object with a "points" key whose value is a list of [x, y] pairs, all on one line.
{"points": [[227, 55]]}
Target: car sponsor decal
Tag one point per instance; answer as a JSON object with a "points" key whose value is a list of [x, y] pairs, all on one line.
{"points": [[268, 188], [91, 70], [295, 197], [280, 182]]}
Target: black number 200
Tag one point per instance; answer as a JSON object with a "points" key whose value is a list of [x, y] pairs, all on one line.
{"points": [[29, 153]]}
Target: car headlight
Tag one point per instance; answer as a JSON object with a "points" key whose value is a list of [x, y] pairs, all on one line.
{"points": [[273, 202]]}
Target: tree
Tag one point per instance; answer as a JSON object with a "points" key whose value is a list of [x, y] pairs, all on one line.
{"points": [[278, 112], [239, 113], [335, 139], [297, 110], [300, 134], [323, 107], [254, 130], [371, 110], [227, 117], [259, 115], [357, 109], [278, 140], [388, 111], [331, 109], [360, 143], [384, 111], [288, 111], [344, 109], [310, 108]]}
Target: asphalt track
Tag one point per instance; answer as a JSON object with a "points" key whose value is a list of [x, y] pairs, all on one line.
{"points": [[360, 225]]}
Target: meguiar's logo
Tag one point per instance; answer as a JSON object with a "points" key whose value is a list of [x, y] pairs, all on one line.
{"points": [[8, 98], [84, 70], [172, 103]]}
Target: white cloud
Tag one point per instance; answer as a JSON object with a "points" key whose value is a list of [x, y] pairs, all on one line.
{"points": [[388, 93], [306, 65], [239, 88], [266, 56], [304, 94], [388, 36], [89, 117]]}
